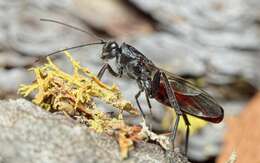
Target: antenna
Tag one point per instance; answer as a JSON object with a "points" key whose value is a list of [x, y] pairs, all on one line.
{"points": [[73, 27], [73, 47]]}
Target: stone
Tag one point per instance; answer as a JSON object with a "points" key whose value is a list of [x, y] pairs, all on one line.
{"points": [[30, 134], [114, 17], [10, 80]]}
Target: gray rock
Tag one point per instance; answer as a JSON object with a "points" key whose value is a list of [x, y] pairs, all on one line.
{"points": [[10, 80], [222, 33], [12, 59], [22, 30], [30, 134], [217, 23], [114, 17], [40, 38], [232, 63], [170, 53], [209, 140]]}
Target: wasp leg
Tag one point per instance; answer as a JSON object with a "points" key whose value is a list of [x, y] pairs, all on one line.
{"points": [[138, 104], [148, 102], [175, 105], [170, 93], [105, 67], [187, 123]]}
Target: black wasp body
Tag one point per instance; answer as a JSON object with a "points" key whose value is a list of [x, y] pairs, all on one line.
{"points": [[129, 61], [135, 65], [149, 78], [156, 83]]}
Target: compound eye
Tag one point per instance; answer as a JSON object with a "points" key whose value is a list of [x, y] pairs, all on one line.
{"points": [[113, 45]]}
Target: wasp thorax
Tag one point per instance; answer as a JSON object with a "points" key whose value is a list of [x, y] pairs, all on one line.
{"points": [[110, 50]]}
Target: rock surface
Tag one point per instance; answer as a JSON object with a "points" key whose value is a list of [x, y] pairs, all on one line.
{"points": [[30, 134]]}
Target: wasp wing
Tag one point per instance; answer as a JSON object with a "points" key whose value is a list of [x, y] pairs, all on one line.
{"points": [[190, 98]]}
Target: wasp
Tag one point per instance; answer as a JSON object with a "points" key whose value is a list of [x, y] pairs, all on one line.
{"points": [[156, 83]]}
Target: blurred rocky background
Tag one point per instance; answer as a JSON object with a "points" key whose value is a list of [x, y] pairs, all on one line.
{"points": [[215, 43]]}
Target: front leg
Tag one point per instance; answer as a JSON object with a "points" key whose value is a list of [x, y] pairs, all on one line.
{"points": [[137, 101], [147, 96], [105, 67]]}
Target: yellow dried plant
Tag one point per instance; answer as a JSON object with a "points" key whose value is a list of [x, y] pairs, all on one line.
{"points": [[74, 94]]}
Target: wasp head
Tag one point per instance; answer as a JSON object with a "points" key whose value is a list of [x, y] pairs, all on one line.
{"points": [[110, 50]]}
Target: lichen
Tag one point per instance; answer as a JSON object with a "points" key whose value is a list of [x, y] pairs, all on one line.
{"points": [[75, 95]]}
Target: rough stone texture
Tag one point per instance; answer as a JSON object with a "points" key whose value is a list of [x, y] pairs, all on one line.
{"points": [[216, 23], [222, 33], [208, 140], [112, 16], [30, 134], [13, 78], [22, 30], [11, 59], [242, 135]]}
